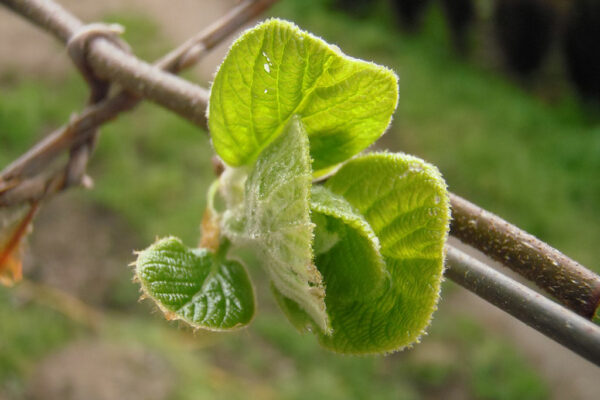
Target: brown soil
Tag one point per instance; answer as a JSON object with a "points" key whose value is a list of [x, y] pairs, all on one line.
{"points": [[80, 248], [99, 371]]}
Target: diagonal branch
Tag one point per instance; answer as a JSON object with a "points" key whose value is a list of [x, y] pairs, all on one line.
{"points": [[112, 63], [16, 183], [542, 314], [572, 284]]}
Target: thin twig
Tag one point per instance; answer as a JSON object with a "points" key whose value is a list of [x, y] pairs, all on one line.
{"points": [[542, 314], [77, 47], [190, 52], [16, 187], [573, 285]]}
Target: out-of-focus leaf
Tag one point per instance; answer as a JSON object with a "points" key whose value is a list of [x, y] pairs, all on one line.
{"points": [[15, 225]]}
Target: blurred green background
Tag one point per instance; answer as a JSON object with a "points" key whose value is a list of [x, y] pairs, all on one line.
{"points": [[530, 153]]}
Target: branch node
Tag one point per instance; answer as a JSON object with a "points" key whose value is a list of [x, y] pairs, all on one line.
{"points": [[78, 46]]}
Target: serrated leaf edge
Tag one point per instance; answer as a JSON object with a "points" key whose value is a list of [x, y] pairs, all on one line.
{"points": [[172, 315]]}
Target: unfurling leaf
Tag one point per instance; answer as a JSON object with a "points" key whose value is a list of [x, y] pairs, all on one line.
{"points": [[404, 203], [345, 242], [276, 71], [13, 230], [343, 235], [274, 218], [195, 285]]}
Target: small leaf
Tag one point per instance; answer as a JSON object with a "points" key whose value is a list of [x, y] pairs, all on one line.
{"points": [[196, 286], [275, 71], [274, 219]]}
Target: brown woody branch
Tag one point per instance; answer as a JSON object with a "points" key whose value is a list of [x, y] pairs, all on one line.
{"points": [[556, 322], [569, 282], [20, 181], [112, 63]]}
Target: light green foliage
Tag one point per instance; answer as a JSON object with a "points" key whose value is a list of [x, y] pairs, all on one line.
{"points": [[135, 161], [274, 219], [359, 260], [196, 286], [404, 201], [276, 71]]}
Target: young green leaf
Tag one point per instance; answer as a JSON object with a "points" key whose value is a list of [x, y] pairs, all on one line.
{"points": [[275, 71], [274, 219], [196, 286], [404, 201]]}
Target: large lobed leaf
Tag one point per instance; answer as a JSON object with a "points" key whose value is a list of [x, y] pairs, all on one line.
{"points": [[275, 71], [196, 286]]}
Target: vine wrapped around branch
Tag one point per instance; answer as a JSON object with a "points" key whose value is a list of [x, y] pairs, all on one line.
{"points": [[22, 181]]}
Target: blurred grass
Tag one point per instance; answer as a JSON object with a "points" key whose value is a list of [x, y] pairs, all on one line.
{"points": [[27, 332], [271, 360], [534, 163]]}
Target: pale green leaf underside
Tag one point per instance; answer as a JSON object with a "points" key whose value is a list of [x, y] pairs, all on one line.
{"points": [[275, 71], [347, 246], [275, 220], [404, 201], [196, 286]]}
